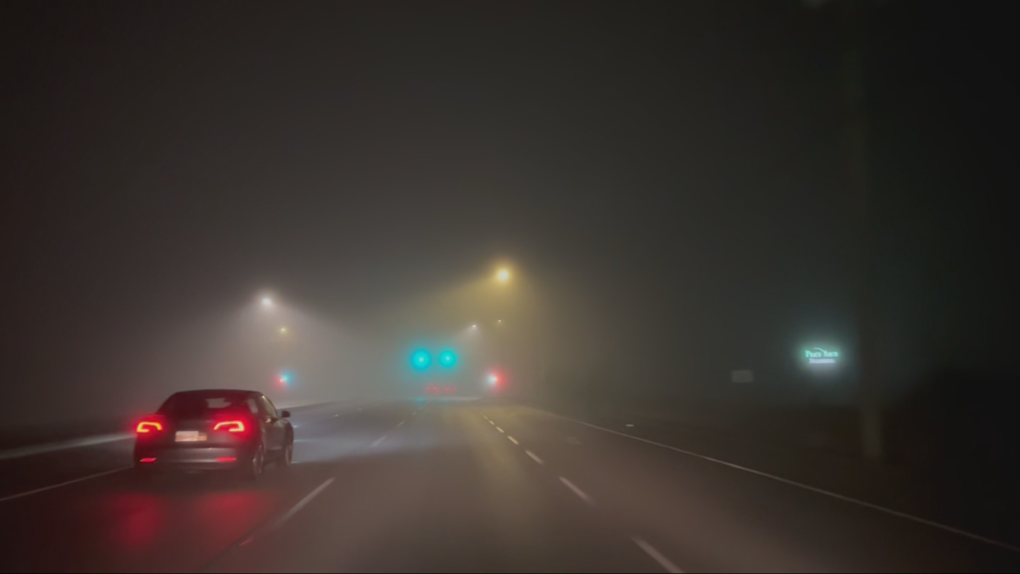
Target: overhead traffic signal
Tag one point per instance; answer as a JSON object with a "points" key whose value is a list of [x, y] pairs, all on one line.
{"points": [[421, 360], [447, 359]]}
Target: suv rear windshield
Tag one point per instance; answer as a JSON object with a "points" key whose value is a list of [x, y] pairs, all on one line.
{"points": [[203, 404]]}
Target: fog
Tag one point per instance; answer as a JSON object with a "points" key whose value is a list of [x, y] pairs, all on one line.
{"points": [[670, 215]]}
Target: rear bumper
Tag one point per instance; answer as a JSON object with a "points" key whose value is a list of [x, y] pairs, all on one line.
{"points": [[154, 458]]}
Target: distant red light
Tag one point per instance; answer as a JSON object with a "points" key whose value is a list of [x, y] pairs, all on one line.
{"points": [[226, 459], [147, 460]]}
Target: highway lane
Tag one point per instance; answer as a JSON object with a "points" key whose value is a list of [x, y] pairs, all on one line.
{"points": [[20, 474], [713, 517], [109, 523], [472, 486], [443, 492], [489, 487]]}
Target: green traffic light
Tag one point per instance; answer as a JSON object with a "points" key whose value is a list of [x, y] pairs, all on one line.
{"points": [[421, 360], [447, 359]]}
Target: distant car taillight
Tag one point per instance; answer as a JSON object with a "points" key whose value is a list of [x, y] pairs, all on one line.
{"points": [[230, 426]]}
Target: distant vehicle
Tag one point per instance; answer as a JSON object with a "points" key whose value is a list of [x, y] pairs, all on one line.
{"points": [[214, 430], [440, 390]]}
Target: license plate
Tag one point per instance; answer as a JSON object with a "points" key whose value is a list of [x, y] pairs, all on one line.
{"points": [[190, 436]]}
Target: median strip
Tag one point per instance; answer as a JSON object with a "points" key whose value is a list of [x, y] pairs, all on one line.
{"points": [[63, 445]]}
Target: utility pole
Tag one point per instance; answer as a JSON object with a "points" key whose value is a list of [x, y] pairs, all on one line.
{"points": [[862, 236], [853, 14]]}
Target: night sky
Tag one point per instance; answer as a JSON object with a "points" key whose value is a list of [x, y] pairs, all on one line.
{"points": [[667, 174]]}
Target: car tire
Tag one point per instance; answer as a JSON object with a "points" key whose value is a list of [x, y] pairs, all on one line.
{"points": [[257, 467], [287, 455]]}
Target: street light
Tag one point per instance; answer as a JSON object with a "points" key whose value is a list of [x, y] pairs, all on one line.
{"points": [[284, 330], [503, 275], [267, 302]]}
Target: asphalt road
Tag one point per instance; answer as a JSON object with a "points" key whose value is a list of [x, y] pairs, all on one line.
{"points": [[455, 486]]}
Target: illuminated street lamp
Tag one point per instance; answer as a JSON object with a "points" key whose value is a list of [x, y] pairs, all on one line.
{"points": [[267, 302], [284, 330], [503, 275]]}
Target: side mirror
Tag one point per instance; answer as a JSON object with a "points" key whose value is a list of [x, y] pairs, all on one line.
{"points": [[285, 414]]}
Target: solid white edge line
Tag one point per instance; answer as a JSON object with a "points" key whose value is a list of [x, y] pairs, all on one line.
{"points": [[513, 440], [501, 430], [662, 560], [577, 491], [68, 483], [533, 456], [304, 501], [869, 505]]}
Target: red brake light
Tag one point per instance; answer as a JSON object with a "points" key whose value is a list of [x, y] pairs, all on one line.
{"points": [[226, 459], [146, 427], [147, 460], [230, 426]]}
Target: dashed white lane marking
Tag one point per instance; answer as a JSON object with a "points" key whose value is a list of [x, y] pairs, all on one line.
{"points": [[485, 417], [657, 556], [68, 483], [577, 491], [401, 424], [629, 425], [501, 430], [304, 501], [378, 441], [513, 440], [533, 456], [796, 484]]}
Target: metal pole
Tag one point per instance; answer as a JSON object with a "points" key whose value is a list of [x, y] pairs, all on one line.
{"points": [[856, 142]]}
